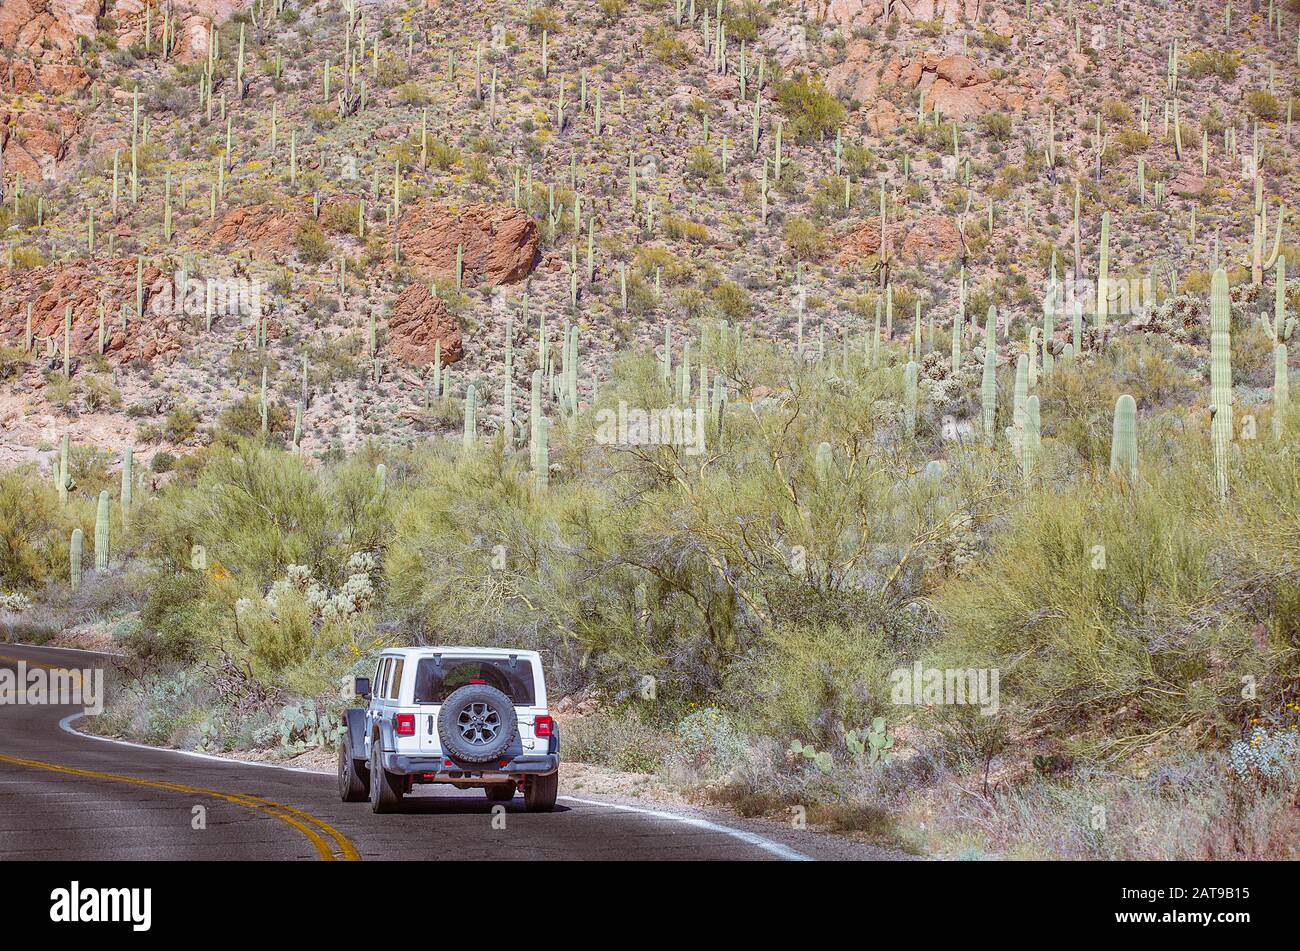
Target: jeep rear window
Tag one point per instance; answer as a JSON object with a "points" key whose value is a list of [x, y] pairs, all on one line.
{"points": [[435, 682]]}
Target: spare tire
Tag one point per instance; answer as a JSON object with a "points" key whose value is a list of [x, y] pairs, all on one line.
{"points": [[477, 723]]}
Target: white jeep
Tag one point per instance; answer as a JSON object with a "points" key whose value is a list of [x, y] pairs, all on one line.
{"points": [[468, 716]]}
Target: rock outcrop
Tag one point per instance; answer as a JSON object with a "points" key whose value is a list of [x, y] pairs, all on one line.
{"points": [[85, 285], [859, 244], [418, 323], [36, 142], [264, 228], [932, 238], [499, 244], [960, 87]]}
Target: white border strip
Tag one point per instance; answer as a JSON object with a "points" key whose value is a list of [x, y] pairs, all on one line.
{"points": [[753, 838], [66, 726], [750, 838], [50, 647]]}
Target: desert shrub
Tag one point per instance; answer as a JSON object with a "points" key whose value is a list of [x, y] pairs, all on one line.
{"points": [[313, 247], [621, 739], [804, 239], [812, 111], [1264, 105], [1222, 64], [34, 531]]}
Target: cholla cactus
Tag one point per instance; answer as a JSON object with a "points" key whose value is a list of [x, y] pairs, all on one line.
{"points": [[14, 602]]}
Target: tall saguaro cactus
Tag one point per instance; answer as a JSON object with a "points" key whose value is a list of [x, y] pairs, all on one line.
{"points": [[1220, 378], [1103, 276], [128, 483], [1031, 442], [1281, 390], [1123, 439], [101, 532], [74, 558], [989, 383], [470, 434], [910, 396]]}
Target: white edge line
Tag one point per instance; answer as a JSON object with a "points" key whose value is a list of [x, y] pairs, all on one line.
{"points": [[66, 726], [753, 838], [75, 650]]}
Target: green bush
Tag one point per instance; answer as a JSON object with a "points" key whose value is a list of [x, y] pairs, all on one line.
{"points": [[812, 111]]}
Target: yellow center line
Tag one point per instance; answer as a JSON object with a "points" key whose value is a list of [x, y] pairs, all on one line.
{"points": [[36, 663], [304, 822]]}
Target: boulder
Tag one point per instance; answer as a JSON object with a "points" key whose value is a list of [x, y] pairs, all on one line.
{"points": [[499, 244], [420, 321], [858, 245], [932, 238]]}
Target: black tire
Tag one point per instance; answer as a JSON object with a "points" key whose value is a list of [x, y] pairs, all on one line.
{"points": [[354, 777], [500, 792], [385, 787], [477, 723], [540, 792]]}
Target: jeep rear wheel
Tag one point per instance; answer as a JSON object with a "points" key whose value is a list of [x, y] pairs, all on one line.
{"points": [[354, 778], [385, 787], [540, 792], [477, 723]]}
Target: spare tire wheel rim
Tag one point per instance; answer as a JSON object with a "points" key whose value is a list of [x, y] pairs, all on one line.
{"points": [[479, 723]]}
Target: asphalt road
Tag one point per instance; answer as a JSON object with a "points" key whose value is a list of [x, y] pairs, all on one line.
{"points": [[64, 796]]}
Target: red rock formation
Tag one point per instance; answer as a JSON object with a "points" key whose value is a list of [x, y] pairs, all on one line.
{"points": [[956, 84], [932, 238], [47, 25], [420, 320], [85, 285], [264, 228], [859, 244], [499, 244], [34, 143]]}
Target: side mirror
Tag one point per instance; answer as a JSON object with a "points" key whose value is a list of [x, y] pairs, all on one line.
{"points": [[362, 687]]}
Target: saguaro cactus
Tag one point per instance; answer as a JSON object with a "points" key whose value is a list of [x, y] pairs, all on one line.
{"points": [[62, 476], [1103, 276], [470, 434], [101, 532], [535, 420], [1281, 390], [381, 478], [1123, 439], [74, 558], [128, 483], [1032, 440], [989, 382], [910, 396], [1220, 378]]}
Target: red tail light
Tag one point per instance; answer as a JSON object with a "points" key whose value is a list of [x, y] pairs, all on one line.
{"points": [[544, 726], [405, 724]]}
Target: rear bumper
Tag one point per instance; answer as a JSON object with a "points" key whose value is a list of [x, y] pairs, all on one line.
{"points": [[536, 764]]}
